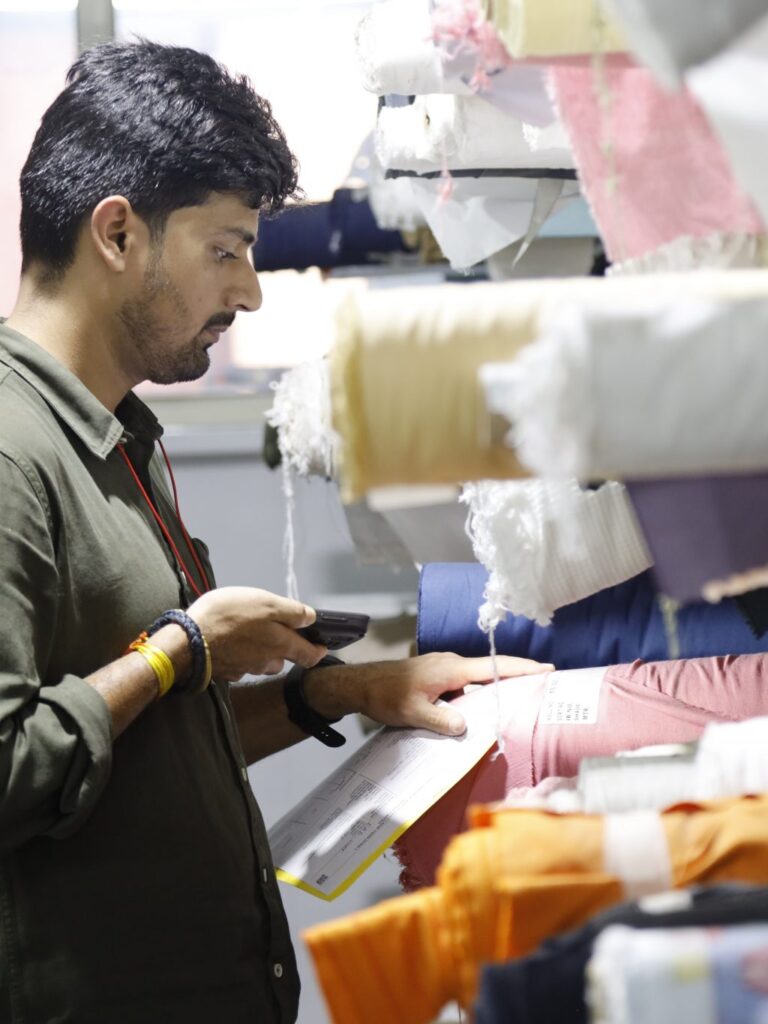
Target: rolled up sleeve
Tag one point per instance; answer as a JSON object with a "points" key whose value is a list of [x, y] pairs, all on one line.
{"points": [[55, 735]]}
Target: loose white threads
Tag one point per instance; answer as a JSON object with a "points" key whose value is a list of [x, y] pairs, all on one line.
{"points": [[301, 413]]}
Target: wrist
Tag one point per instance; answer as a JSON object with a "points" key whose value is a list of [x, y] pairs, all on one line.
{"points": [[199, 675], [328, 691], [173, 641], [303, 714]]}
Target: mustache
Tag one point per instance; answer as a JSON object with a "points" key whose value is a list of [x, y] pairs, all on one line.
{"points": [[220, 320]]}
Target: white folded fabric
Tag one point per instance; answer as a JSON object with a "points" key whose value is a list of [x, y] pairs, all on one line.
{"points": [[376, 543], [731, 89], [521, 91], [729, 760], [654, 777], [635, 850], [440, 132], [662, 976], [732, 759], [670, 37], [429, 521], [396, 52], [480, 216], [398, 55], [548, 543], [610, 385]]}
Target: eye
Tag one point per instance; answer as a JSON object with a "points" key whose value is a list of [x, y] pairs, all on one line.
{"points": [[224, 254]]}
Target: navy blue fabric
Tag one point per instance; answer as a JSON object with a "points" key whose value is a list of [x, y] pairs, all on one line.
{"points": [[548, 986], [613, 627], [340, 233]]}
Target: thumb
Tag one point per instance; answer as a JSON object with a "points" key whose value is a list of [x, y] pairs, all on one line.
{"points": [[442, 719]]}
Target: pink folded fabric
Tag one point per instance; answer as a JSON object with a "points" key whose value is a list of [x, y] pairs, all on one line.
{"points": [[639, 704], [649, 164]]}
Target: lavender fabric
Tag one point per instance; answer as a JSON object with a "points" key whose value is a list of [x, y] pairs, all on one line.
{"points": [[702, 529]]}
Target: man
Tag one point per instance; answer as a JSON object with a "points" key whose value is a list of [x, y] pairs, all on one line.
{"points": [[135, 879]]}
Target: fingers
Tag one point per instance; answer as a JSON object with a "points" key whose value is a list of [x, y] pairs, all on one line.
{"points": [[296, 648], [480, 670], [285, 610], [444, 720]]}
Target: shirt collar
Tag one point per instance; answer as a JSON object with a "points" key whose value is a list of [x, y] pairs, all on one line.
{"points": [[98, 428]]}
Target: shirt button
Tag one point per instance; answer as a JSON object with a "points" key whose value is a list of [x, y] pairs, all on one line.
{"points": [[265, 875], [278, 969], [244, 773]]}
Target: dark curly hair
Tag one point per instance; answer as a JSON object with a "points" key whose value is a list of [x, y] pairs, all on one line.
{"points": [[164, 126]]}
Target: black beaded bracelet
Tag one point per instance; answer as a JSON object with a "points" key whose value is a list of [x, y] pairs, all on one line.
{"points": [[200, 676], [301, 714]]}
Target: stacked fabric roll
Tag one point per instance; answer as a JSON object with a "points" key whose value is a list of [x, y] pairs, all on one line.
{"points": [[551, 724], [507, 380], [515, 878], [478, 136], [605, 352], [610, 439]]}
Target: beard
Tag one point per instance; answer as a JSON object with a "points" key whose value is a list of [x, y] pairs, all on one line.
{"points": [[149, 321]]}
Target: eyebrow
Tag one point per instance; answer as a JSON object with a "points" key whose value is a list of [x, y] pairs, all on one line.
{"points": [[241, 233]]}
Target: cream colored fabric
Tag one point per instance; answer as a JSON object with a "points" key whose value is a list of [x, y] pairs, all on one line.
{"points": [[406, 401], [553, 28]]}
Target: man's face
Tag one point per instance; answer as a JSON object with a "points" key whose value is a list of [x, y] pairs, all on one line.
{"points": [[198, 276]]}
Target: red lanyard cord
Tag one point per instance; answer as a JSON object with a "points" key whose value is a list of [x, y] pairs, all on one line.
{"points": [[187, 538], [164, 529]]}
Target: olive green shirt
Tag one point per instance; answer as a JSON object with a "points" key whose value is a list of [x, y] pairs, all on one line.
{"points": [[136, 884]]}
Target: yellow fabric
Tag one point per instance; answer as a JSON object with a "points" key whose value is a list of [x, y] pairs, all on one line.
{"points": [[554, 28], [519, 876], [406, 402]]}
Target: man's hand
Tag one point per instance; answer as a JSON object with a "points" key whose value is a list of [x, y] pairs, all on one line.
{"points": [[403, 692], [250, 630]]}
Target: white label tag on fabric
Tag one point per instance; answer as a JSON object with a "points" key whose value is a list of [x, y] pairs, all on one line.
{"points": [[331, 836], [572, 697]]}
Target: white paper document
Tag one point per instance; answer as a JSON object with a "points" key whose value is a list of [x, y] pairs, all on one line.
{"points": [[328, 840]]}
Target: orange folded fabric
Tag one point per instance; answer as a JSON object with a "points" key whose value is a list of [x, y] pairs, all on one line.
{"points": [[516, 878]]}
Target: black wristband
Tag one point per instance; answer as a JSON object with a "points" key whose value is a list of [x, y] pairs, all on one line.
{"points": [[301, 714], [198, 679]]}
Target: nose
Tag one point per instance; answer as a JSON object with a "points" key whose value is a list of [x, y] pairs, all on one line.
{"points": [[245, 295]]}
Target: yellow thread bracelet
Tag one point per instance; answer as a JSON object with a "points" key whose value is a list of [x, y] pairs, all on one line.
{"points": [[160, 663]]}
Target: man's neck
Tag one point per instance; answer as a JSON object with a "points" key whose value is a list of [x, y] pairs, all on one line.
{"points": [[69, 330]]}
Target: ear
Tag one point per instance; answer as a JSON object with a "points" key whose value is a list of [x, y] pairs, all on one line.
{"points": [[116, 232]]}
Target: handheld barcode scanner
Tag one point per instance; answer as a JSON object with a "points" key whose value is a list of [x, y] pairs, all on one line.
{"points": [[336, 630]]}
